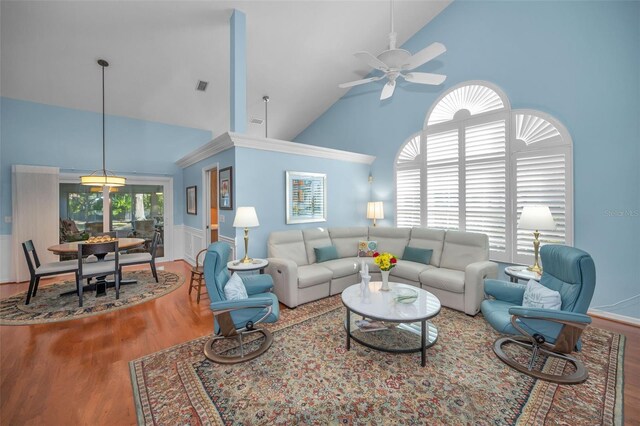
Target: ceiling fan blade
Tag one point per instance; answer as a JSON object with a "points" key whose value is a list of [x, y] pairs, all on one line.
{"points": [[425, 78], [425, 55], [387, 90], [371, 60], [358, 82]]}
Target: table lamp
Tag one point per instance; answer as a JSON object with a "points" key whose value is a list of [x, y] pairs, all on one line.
{"points": [[536, 218], [375, 210], [246, 218]]}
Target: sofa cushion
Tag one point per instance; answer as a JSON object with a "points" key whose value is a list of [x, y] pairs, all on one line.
{"points": [[428, 239], [313, 238], [288, 245], [310, 275], [462, 248], [390, 240], [346, 240], [419, 255], [409, 270], [324, 254], [342, 267], [443, 279]]}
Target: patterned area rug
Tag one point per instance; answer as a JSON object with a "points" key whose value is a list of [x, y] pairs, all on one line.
{"points": [[307, 377], [49, 306]]}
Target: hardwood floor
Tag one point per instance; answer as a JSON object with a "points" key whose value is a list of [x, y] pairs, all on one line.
{"points": [[76, 372]]}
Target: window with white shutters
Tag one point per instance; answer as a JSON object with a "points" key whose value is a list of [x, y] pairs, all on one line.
{"points": [[408, 183], [485, 182], [442, 185], [481, 164]]}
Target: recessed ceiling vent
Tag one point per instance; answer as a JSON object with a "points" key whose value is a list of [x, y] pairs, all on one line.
{"points": [[257, 121], [202, 85]]}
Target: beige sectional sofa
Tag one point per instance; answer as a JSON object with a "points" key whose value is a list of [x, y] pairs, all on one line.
{"points": [[458, 266]]}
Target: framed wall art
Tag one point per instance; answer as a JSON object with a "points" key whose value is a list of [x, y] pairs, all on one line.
{"points": [[192, 200], [306, 197], [225, 188]]}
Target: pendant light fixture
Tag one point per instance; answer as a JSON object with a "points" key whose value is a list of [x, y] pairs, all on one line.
{"points": [[102, 177]]}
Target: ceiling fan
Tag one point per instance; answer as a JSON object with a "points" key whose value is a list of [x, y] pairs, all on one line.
{"points": [[395, 63]]}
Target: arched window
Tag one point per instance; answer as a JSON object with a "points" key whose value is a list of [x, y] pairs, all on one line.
{"points": [[482, 163]]}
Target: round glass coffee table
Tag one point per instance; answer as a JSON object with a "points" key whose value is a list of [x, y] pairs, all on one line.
{"points": [[405, 326]]}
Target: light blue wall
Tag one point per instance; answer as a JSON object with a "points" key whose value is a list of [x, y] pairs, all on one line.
{"points": [[193, 176], [579, 62], [260, 182], [37, 134]]}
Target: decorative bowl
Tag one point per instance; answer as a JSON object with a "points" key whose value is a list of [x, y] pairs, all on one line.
{"points": [[406, 295]]}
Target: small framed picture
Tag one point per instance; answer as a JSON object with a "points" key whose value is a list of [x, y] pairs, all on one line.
{"points": [[192, 200], [306, 197], [225, 189]]}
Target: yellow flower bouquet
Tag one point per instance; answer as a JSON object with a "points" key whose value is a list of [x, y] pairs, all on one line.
{"points": [[385, 261]]}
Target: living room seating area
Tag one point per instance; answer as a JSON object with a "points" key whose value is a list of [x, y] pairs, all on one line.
{"points": [[454, 271]]}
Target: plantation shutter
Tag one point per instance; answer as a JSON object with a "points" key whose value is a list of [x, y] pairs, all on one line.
{"points": [[541, 179], [485, 183], [317, 202], [408, 167], [442, 186]]}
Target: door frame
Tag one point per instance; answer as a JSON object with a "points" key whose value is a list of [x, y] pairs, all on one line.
{"points": [[206, 185]]}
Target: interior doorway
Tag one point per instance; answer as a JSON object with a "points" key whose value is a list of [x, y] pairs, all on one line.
{"points": [[211, 193]]}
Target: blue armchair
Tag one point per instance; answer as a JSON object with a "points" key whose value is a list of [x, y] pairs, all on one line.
{"points": [[237, 318], [556, 333]]}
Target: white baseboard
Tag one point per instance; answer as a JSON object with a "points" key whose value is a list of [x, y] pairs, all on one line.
{"points": [[7, 274], [615, 317]]}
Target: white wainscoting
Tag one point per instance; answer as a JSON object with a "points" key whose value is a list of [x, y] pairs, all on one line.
{"points": [[6, 259], [231, 242], [194, 241]]}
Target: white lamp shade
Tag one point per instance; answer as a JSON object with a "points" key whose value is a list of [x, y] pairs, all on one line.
{"points": [[246, 217], [375, 210], [536, 218]]}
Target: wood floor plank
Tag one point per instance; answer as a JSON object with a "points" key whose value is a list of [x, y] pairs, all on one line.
{"points": [[76, 372]]}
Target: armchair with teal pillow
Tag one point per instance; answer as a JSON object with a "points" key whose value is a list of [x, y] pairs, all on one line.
{"points": [[556, 333], [237, 318]]}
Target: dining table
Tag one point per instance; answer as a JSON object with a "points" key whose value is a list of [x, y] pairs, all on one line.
{"points": [[101, 284]]}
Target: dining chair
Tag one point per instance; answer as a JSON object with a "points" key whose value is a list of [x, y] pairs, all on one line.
{"points": [[38, 270], [197, 274], [142, 258], [100, 269]]}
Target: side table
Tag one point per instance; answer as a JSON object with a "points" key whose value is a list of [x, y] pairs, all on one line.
{"points": [[255, 265], [517, 273]]}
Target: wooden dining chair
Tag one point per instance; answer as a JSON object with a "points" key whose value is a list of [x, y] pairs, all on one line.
{"points": [[197, 275], [142, 258], [38, 270], [100, 268]]}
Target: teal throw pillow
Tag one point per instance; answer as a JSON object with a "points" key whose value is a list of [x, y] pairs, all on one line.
{"points": [[419, 255], [326, 253]]}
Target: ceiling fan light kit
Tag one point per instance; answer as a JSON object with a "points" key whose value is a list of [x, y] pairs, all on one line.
{"points": [[396, 63]]}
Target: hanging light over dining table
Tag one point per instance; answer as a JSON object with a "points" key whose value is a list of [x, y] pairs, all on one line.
{"points": [[102, 177]]}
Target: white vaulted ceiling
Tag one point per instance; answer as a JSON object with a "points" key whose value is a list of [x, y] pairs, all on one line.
{"points": [[297, 53]]}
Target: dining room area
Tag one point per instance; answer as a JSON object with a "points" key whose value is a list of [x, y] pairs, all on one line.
{"points": [[87, 237]]}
